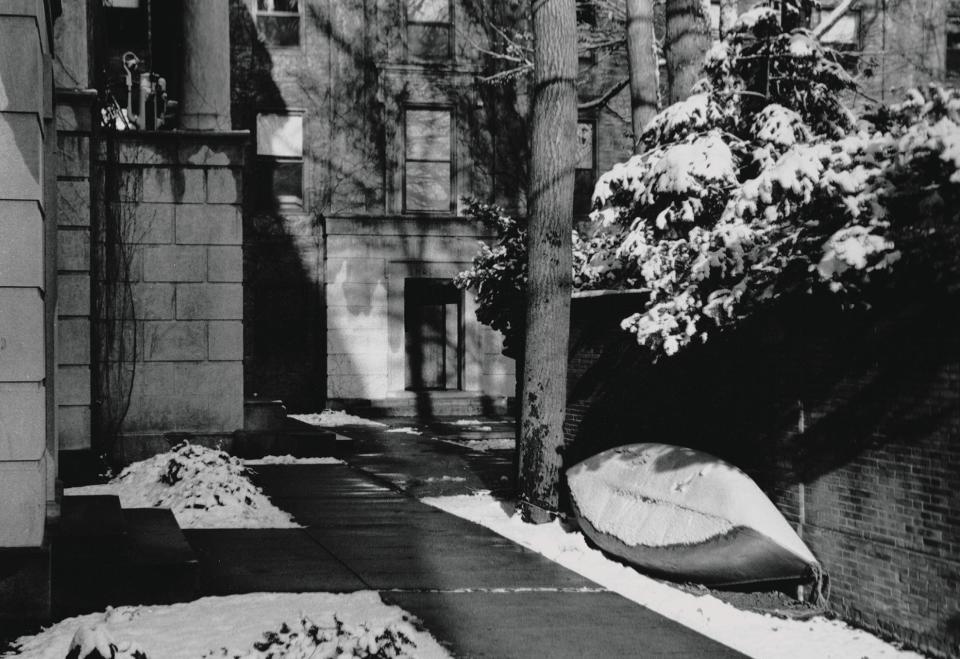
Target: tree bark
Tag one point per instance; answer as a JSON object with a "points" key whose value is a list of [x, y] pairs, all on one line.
{"points": [[644, 67], [687, 40], [729, 12], [550, 206]]}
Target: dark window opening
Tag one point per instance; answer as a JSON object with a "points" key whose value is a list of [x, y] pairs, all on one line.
{"points": [[278, 22], [953, 40], [433, 329], [428, 160], [429, 29]]}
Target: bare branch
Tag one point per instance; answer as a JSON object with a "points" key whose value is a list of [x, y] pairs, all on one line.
{"points": [[604, 98]]}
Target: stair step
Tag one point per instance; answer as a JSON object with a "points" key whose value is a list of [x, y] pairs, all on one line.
{"points": [[306, 443], [94, 516], [155, 538]]}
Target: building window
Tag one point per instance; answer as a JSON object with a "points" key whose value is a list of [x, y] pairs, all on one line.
{"points": [[428, 160], [429, 29], [953, 39], [278, 22], [586, 171], [279, 179]]}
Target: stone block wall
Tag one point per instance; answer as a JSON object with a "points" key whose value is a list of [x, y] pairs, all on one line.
{"points": [[74, 138], [368, 261], [179, 201], [849, 422]]}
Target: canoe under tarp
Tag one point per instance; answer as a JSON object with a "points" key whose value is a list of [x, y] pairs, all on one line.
{"points": [[685, 515]]}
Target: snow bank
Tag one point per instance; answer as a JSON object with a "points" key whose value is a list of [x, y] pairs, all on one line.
{"points": [[485, 444], [754, 634], [335, 419], [206, 626], [405, 430], [291, 460], [203, 487]]}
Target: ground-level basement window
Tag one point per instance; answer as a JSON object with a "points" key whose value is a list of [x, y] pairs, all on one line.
{"points": [[279, 177], [278, 22], [428, 160]]}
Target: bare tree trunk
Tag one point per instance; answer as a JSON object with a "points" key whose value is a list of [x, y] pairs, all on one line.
{"points": [[687, 40], [729, 11], [644, 67], [550, 205]]}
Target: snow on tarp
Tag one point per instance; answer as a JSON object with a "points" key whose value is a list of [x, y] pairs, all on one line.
{"points": [[202, 627], [204, 488], [685, 514]]}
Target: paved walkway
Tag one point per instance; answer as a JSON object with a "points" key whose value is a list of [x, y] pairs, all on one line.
{"points": [[478, 593]]}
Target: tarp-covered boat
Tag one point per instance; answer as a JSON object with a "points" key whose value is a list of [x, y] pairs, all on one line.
{"points": [[686, 515]]}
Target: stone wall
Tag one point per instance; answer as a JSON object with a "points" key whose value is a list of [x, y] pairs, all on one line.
{"points": [[850, 422], [179, 204]]}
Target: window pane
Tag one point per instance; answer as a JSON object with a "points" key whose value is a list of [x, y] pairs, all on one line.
{"points": [[428, 134], [953, 62], [278, 183], [428, 11], [279, 30], [428, 186], [280, 135], [428, 41], [585, 145], [278, 5]]}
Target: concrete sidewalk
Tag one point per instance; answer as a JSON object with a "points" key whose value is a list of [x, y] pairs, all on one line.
{"points": [[478, 593]]}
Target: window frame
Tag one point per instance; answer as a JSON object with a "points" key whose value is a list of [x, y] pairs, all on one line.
{"points": [[953, 20], [594, 153], [257, 12], [276, 203], [450, 24], [433, 107]]}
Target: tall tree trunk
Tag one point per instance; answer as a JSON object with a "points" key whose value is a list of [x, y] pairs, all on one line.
{"points": [[644, 67], [729, 11], [550, 206], [687, 40]]}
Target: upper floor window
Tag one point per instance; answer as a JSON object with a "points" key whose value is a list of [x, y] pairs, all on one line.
{"points": [[953, 39], [279, 22], [585, 174], [429, 29], [279, 178], [428, 160]]}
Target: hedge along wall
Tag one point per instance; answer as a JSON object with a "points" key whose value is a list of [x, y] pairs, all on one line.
{"points": [[850, 422]]}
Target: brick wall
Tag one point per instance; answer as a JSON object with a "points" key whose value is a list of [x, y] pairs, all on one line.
{"points": [[849, 422], [179, 203]]}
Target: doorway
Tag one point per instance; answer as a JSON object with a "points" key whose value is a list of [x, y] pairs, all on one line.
{"points": [[433, 332]]}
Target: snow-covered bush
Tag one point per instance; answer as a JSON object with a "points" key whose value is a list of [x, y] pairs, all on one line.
{"points": [[763, 184], [307, 640], [95, 642]]}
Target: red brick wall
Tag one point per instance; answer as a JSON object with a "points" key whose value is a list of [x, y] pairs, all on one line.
{"points": [[854, 416]]}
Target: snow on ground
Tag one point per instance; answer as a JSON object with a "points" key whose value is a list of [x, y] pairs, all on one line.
{"points": [[484, 444], [194, 629], [754, 634], [406, 430], [474, 424], [335, 419], [203, 487], [291, 460]]}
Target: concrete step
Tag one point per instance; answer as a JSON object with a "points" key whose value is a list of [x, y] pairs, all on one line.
{"points": [[426, 405], [303, 441], [161, 565]]}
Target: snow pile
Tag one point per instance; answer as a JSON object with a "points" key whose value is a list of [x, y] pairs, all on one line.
{"points": [[291, 460], [233, 626], [405, 430], [335, 419], [485, 444], [95, 642], [203, 487], [307, 640], [754, 634]]}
